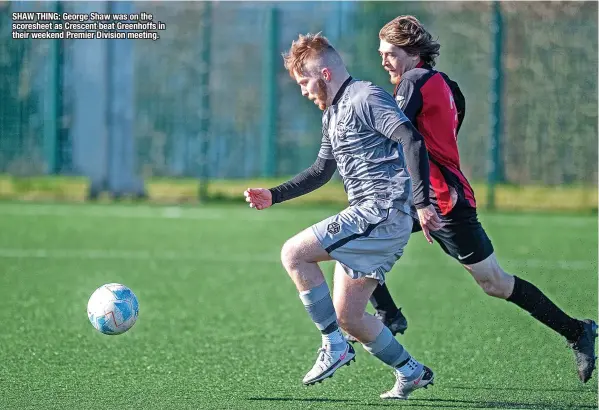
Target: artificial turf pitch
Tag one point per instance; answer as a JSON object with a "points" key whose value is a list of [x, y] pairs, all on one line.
{"points": [[221, 325]]}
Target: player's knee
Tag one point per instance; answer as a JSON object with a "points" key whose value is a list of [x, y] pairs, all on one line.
{"points": [[490, 288], [493, 280], [495, 283], [290, 255]]}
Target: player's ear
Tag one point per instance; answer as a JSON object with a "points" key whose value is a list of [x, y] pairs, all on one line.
{"points": [[326, 74]]}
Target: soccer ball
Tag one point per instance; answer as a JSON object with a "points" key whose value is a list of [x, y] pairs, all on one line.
{"points": [[112, 309]]}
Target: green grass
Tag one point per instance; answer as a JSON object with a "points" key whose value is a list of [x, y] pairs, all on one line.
{"points": [[221, 325]]}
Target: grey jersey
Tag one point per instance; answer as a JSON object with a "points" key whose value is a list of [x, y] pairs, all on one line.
{"points": [[356, 133]]}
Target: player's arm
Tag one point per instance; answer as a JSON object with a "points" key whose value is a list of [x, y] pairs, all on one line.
{"points": [[409, 99], [314, 177], [416, 158], [318, 174]]}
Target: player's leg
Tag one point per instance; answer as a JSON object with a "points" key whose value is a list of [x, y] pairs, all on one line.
{"points": [[464, 238], [364, 259], [383, 303], [386, 309], [580, 334], [350, 299], [496, 282], [300, 256], [335, 237]]}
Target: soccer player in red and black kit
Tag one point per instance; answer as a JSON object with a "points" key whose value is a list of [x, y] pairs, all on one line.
{"points": [[436, 107]]}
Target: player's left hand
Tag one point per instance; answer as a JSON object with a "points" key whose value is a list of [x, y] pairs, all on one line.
{"points": [[429, 221], [259, 198]]}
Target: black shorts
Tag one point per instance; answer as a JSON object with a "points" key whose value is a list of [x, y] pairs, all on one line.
{"points": [[463, 237]]}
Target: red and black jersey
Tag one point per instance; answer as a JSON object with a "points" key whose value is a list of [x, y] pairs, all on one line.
{"points": [[436, 107]]}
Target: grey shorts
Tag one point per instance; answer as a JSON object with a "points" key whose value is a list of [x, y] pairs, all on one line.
{"points": [[365, 239]]}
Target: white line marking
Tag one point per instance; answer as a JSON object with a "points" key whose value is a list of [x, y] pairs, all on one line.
{"points": [[111, 212], [147, 255], [144, 255], [242, 213], [140, 212]]}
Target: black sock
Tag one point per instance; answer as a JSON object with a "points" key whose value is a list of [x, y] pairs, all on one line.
{"points": [[530, 298], [330, 328], [383, 302]]}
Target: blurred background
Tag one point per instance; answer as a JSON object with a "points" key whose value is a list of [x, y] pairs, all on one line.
{"points": [[208, 108]]}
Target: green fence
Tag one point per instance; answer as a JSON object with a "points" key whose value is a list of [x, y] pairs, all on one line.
{"points": [[212, 96]]}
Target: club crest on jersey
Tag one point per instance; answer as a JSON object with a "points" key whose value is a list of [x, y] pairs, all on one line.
{"points": [[341, 130], [334, 228]]}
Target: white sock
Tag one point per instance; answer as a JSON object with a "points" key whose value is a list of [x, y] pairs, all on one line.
{"points": [[411, 369], [334, 340]]}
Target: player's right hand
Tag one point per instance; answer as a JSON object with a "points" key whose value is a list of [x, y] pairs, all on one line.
{"points": [[258, 198], [429, 221]]}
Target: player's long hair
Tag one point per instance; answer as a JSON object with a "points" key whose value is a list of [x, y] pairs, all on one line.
{"points": [[306, 48], [409, 34]]}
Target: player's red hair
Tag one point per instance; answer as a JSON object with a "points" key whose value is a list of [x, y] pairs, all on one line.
{"points": [[305, 49]]}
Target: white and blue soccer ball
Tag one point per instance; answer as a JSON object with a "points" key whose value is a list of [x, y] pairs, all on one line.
{"points": [[112, 309]]}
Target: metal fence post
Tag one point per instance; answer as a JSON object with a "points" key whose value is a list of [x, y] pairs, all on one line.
{"points": [[52, 101], [269, 95], [206, 29], [495, 169]]}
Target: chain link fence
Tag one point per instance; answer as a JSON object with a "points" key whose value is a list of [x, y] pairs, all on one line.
{"points": [[200, 101]]}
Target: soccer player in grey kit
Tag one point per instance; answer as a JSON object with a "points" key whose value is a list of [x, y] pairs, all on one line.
{"points": [[363, 133]]}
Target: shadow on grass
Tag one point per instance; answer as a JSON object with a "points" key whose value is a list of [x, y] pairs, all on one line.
{"points": [[432, 403], [346, 402], [484, 404], [303, 399], [537, 389]]}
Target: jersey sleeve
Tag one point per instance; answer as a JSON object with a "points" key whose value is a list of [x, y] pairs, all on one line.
{"points": [[458, 98], [377, 109], [409, 99], [307, 181], [326, 149], [417, 161]]}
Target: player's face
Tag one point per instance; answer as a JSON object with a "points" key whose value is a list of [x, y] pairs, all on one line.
{"points": [[313, 88], [396, 61]]}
